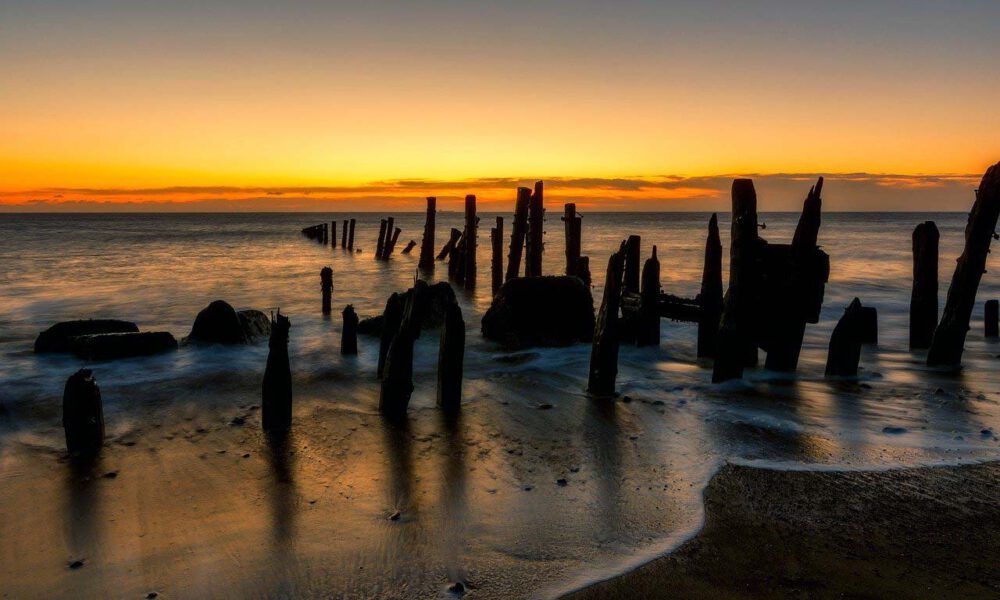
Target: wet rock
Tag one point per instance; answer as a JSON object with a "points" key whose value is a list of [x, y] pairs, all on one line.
{"points": [[986, 432], [256, 324], [437, 298], [395, 516], [59, 337], [561, 482], [76, 564], [518, 358], [540, 311], [894, 430], [151, 595], [544, 406], [110, 475], [107, 346], [220, 323]]}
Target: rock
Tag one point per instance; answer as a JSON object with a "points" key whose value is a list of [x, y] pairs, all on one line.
{"points": [[59, 337], [395, 516], [562, 482], [456, 588], [110, 475], [544, 406], [540, 311], [76, 564], [105, 346], [371, 325], [894, 430], [219, 323], [439, 296]]}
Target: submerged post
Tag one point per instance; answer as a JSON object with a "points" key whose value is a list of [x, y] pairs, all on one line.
{"points": [[83, 414], [572, 225], [536, 232], [446, 250], [990, 317], [924, 297], [349, 334], [427, 243], [496, 263], [456, 260], [518, 232], [381, 238], [604, 351], [451, 357], [409, 247], [350, 237], [710, 296], [276, 400], [648, 329], [471, 225], [845, 344], [326, 279], [949, 337]]}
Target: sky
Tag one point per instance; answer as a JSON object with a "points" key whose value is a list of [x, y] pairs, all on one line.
{"points": [[624, 105]]}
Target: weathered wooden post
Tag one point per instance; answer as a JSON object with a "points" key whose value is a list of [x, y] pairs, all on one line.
{"points": [[572, 225], [710, 296], [536, 232], [604, 351], [276, 397], [518, 232], [397, 376], [326, 280], [390, 244], [845, 344], [350, 237], [333, 234], [470, 236], [924, 297], [868, 325], [427, 243], [343, 234], [83, 414], [456, 260], [633, 245], [381, 239], [326, 234], [409, 246], [648, 330], [735, 345], [451, 357], [949, 337], [349, 334], [583, 270], [991, 315], [391, 317], [496, 263], [449, 246]]}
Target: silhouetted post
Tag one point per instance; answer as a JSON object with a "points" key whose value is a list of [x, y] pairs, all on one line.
{"points": [[446, 250], [924, 297], [572, 225], [427, 244], [397, 376], [276, 400], [632, 252], [343, 234], [710, 296], [456, 261], [83, 414], [536, 232], [451, 358], [949, 337], [868, 325], [387, 242], [333, 234], [845, 344], [604, 351], [583, 270], [735, 345], [326, 279], [409, 247], [349, 334], [648, 331], [496, 260], [470, 236], [991, 315], [381, 239], [390, 243], [350, 237], [518, 232], [326, 234], [391, 318]]}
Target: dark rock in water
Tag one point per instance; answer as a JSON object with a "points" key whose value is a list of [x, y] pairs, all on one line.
{"points": [[151, 595], [104, 346], [371, 325], [438, 297], [894, 430], [110, 475], [540, 311], [59, 337], [219, 323]]}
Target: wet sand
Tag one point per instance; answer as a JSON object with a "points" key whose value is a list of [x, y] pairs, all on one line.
{"points": [[912, 533]]}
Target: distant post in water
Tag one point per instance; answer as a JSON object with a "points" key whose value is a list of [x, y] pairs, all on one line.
{"points": [[648, 331], [333, 234], [518, 233], [276, 401], [990, 318], [83, 414], [350, 237], [349, 335], [572, 225], [446, 250], [710, 296], [604, 351], [924, 297], [845, 344], [409, 247], [343, 234], [536, 232], [470, 235], [381, 238], [451, 358], [390, 244], [496, 262], [326, 279], [427, 244]]}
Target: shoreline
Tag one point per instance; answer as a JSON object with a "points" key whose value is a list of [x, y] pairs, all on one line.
{"points": [[911, 532]]}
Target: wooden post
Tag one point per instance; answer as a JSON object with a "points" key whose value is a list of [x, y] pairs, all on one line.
{"points": [[349, 335], [333, 234], [350, 237], [735, 345], [326, 234], [496, 264], [391, 317], [276, 397], [83, 414], [326, 280], [845, 344], [924, 297], [604, 351], [397, 375], [409, 247], [343, 234], [451, 357], [470, 236], [450, 244], [710, 296], [991, 315], [381, 238], [572, 225], [456, 261], [632, 253], [868, 325], [536, 232], [390, 244], [949, 337], [387, 242], [518, 232], [427, 244], [583, 270], [648, 331]]}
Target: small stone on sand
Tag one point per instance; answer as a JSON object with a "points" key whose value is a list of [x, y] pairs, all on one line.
{"points": [[457, 588], [110, 475], [562, 482], [76, 564], [544, 406], [395, 516]]}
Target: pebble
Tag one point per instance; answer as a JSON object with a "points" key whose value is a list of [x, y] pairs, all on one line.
{"points": [[395, 516], [110, 475], [247, 455], [457, 588], [562, 482], [151, 595], [986, 432], [76, 564]]}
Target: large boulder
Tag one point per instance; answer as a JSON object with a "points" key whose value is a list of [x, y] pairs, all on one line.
{"points": [[59, 337], [220, 323], [540, 311], [105, 346]]}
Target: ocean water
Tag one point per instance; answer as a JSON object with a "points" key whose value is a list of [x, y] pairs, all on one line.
{"points": [[512, 499]]}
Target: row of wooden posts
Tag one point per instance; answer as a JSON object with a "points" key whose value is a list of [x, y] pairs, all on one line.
{"points": [[326, 234]]}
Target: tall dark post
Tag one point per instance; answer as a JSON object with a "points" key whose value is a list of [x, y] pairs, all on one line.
{"points": [[326, 280], [536, 232], [381, 238], [845, 344], [391, 318], [350, 237], [343, 234], [83, 414], [456, 261], [648, 331], [991, 315], [446, 250], [949, 337], [572, 225], [632, 253], [276, 397], [470, 235], [735, 345], [583, 270], [924, 297], [427, 244], [349, 335], [710, 296], [390, 241], [326, 234], [518, 233], [604, 351], [496, 264], [333, 234], [397, 375], [451, 357]]}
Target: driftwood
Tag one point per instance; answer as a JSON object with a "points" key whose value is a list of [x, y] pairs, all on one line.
{"points": [[276, 396], [604, 351], [469, 250], [83, 414], [496, 262], [450, 244], [427, 243], [845, 343], [949, 337], [518, 232], [451, 357], [991, 314], [350, 237], [536, 232], [391, 318], [349, 334], [710, 296], [326, 282], [573, 226], [397, 375], [924, 297], [648, 325]]}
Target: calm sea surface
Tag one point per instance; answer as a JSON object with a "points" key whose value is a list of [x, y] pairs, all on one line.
{"points": [[513, 500]]}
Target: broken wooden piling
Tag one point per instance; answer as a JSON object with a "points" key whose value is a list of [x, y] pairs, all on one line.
{"points": [[710, 295], [83, 414], [536, 232], [427, 243], [844, 353], [451, 357], [390, 240], [647, 331], [924, 296], [350, 236], [991, 315], [381, 238], [343, 235], [604, 351], [630, 283], [397, 375], [583, 270], [349, 334], [333, 234], [326, 282], [868, 325], [949, 337], [496, 261], [409, 247], [572, 225], [446, 250], [391, 317], [518, 233], [276, 390], [470, 236]]}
